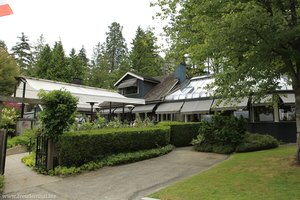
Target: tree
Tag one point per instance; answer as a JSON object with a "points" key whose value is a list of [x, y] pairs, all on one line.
{"points": [[76, 65], [43, 63], [59, 70], [8, 71], [22, 53], [145, 58], [38, 48], [252, 43], [116, 48], [3, 45]]}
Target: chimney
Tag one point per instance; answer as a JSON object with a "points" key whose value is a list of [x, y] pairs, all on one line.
{"points": [[180, 73], [77, 81]]}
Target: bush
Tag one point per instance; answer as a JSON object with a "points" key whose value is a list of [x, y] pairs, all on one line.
{"points": [[27, 139], [182, 133], [255, 142], [111, 160], [221, 135], [29, 160], [77, 148], [1, 183]]}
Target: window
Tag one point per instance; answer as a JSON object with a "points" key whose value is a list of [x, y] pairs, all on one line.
{"points": [[287, 113], [241, 113], [263, 114], [130, 90]]}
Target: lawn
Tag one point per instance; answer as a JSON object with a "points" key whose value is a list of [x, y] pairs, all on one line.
{"points": [[267, 175]]}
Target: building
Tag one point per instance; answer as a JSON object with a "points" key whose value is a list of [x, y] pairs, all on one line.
{"points": [[175, 98]]}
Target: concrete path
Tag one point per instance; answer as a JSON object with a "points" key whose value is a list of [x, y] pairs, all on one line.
{"points": [[131, 181]]}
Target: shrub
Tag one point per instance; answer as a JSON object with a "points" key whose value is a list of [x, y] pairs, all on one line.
{"points": [[115, 159], [1, 183], [116, 123], [29, 160], [221, 135], [27, 139], [58, 113], [255, 142], [182, 133], [76, 148]]}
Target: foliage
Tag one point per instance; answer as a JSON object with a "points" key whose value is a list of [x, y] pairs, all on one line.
{"points": [[23, 54], [255, 142], [142, 123], [59, 70], [221, 135], [26, 139], [116, 49], [8, 71], [58, 113], [182, 133], [111, 160], [43, 63], [9, 116], [1, 183], [243, 176], [116, 123], [251, 45], [144, 55], [29, 160], [76, 148]]}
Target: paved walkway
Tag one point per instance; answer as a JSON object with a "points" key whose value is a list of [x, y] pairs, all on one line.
{"points": [[131, 181]]}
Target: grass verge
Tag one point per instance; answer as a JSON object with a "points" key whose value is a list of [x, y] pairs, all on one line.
{"points": [[115, 159], [266, 175]]}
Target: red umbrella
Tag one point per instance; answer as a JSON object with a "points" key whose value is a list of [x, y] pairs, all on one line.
{"points": [[5, 8]]}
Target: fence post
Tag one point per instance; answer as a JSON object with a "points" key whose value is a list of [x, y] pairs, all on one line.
{"points": [[3, 141], [50, 154]]}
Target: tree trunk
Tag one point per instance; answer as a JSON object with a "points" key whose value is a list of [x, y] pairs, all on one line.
{"points": [[297, 95]]}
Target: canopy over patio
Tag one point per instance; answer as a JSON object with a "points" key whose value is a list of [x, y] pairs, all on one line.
{"points": [[30, 87]]}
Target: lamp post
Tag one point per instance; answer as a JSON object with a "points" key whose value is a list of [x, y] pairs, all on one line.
{"points": [[92, 103]]}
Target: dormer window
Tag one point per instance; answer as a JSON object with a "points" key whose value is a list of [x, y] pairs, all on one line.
{"points": [[129, 86]]}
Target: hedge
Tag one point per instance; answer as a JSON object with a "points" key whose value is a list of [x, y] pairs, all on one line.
{"points": [[77, 148], [182, 133], [255, 142]]}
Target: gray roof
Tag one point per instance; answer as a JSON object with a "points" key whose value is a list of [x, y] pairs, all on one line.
{"points": [[158, 92]]}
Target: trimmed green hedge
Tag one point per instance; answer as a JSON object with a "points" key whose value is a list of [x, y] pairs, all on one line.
{"points": [[77, 148], [255, 142], [182, 133]]}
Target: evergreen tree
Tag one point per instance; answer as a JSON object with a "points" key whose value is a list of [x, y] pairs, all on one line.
{"points": [[144, 56], [38, 48], [3, 45], [43, 63], [23, 55], [8, 71], [59, 70], [116, 48], [75, 65]]}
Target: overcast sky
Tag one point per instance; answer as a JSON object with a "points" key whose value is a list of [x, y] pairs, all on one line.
{"points": [[75, 22]]}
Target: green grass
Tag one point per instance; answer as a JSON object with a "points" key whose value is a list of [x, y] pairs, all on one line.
{"points": [[1, 183], [266, 175]]}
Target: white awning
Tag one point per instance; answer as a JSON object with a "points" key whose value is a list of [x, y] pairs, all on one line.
{"points": [[263, 101], [232, 104], [120, 110], [143, 109], [169, 108], [200, 106], [288, 98], [106, 111], [83, 93]]}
